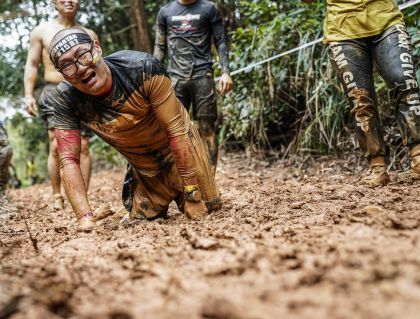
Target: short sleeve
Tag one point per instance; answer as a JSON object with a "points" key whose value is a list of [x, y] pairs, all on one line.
{"points": [[157, 86], [161, 21], [65, 106]]}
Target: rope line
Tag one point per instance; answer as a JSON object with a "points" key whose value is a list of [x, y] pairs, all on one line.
{"points": [[251, 66]]}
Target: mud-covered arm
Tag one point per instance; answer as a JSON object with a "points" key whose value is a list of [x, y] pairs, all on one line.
{"points": [[160, 39], [169, 113], [67, 131], [220, 39], [69, 146]]}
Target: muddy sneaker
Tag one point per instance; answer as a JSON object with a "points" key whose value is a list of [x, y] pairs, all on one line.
{"points": [[86, 223], [58, 202], [415, 162], [376, 174]]}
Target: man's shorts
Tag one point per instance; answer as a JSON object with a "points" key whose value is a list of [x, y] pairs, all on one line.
{"points": [[200, 93], [46, 108], [151, 196]]}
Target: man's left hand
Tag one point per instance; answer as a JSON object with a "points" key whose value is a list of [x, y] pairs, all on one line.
{"points": [[226, 83], [195, 210]]}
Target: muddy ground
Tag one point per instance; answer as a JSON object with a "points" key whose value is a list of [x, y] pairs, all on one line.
{"points": [[289, 243]]}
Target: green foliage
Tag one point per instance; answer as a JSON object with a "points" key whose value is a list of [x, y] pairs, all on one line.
{"points": [[29, 139], [105, 156]]}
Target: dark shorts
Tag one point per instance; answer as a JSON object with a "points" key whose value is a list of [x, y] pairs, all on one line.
{"points": [[46, 108], [198, 93]]}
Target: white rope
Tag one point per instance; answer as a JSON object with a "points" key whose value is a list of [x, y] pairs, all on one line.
{"points": [[251, 66], [409, 4]]}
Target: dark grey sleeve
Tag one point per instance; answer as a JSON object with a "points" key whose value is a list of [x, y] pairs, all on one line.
{"points": [[64, 111], [220, 39], [160, 40]]}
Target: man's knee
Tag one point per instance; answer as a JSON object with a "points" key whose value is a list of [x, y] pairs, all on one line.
{"points": [[54, 148], [52, 142]]}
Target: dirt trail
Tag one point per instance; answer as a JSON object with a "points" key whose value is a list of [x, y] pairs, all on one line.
{"points": [[288, 244]]}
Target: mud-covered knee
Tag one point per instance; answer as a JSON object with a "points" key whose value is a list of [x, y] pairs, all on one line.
{"points": [[364, 108], [143, 207]]}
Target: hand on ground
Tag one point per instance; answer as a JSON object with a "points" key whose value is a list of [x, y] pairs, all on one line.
{"points": [[194, 210], [102, 212]]}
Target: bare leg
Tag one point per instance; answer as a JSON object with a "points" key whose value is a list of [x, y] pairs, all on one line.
{"points": [[54, 163], [85, 160]]}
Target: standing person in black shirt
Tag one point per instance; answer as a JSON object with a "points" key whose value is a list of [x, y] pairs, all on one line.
{"points": [[185, 28]]}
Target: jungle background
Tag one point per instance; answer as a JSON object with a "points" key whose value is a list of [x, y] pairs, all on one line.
{"points": [[292, 105]]}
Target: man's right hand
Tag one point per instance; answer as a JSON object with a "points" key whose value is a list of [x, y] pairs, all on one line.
{"points": [[31, 106], [195, 210]]}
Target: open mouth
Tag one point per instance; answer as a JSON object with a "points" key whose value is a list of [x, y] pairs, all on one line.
{"points": [[89, 78]]}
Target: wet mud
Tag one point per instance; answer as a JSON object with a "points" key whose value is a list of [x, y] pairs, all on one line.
{"points": [[289, 243]]}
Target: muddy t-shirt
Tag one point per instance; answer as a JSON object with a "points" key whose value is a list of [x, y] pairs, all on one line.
{"points": [[353, 19], [125, 119], [186, 32]]}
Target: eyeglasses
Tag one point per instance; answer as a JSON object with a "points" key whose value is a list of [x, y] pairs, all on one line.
{"points": [[85, 59]]}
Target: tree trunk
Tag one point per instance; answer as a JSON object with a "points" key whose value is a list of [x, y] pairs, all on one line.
{"points": [[139, 32]]}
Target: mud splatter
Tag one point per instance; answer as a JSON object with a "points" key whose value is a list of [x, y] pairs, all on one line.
{"points": [[288, 243]]}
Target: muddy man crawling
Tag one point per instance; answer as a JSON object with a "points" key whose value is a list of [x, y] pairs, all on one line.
{"points": [[127, 99]]}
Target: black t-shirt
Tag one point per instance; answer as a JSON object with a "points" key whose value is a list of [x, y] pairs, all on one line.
{"points": [[186, 31], [125, 119]]}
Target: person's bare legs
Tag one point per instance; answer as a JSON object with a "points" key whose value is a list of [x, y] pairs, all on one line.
{"points": [[85, 160], [54, 163], [54, 170]]}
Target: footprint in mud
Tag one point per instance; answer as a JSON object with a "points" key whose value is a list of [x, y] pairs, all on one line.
{"points": [[218, 308]]}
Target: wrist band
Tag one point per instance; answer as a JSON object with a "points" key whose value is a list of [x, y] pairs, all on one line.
{"points": [[190, 188]]}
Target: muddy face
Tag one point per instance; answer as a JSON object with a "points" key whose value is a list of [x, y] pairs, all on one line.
{"points": [[92, 78]]}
